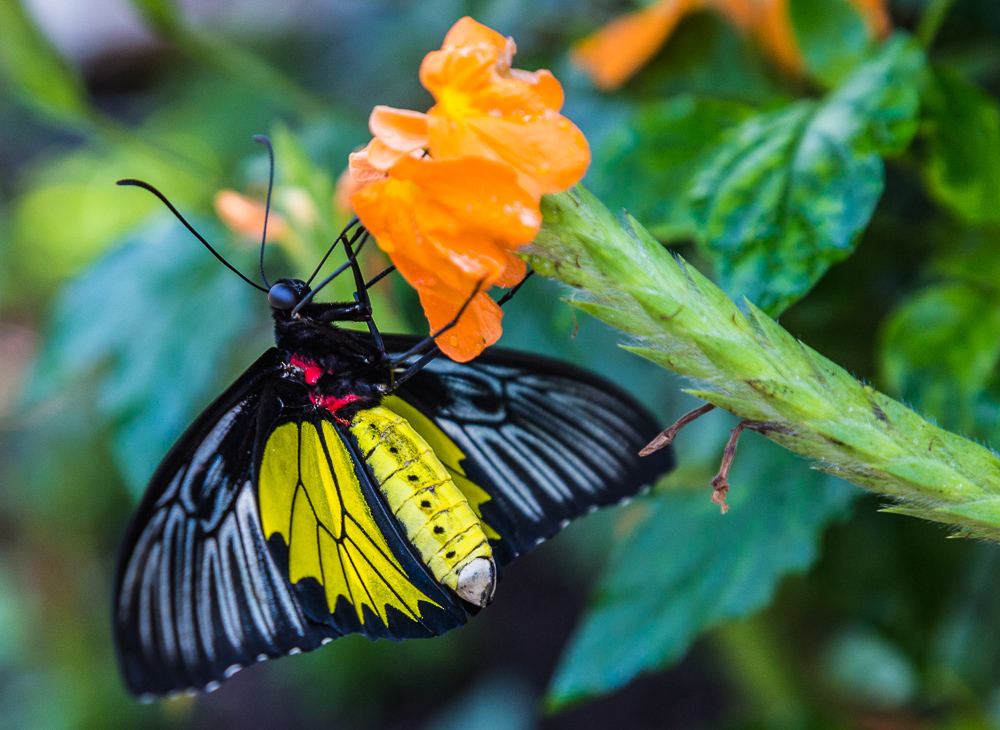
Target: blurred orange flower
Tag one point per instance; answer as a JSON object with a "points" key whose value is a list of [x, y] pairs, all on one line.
{"points": [[613, 54], [245, 216], [450, 194], [876, 14]]}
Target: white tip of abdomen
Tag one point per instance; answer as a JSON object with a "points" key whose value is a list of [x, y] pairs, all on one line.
{"points": [[477, 580]]}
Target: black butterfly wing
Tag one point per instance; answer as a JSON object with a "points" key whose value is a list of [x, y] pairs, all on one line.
{"points": [[545, 440], [201, 592], [197, 595]]}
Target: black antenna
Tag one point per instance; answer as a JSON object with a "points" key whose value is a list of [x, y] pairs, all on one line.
{"points": [[262, 139], [163, 199]]}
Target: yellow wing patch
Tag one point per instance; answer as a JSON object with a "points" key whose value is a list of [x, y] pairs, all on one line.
{"points": [[448, 453], [310, 494]]}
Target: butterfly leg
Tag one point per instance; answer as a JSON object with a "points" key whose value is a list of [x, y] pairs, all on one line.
{"points": [[435, 351], [379, 276], [341, 237], [341, 312], [352, 259], [428, 341], [517, 287], [361, 290]]}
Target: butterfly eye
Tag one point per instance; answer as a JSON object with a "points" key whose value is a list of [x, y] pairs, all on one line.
{"points": [[282, 296]]}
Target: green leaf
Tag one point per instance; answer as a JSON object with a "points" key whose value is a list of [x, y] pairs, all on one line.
{"points": [[962, 154], [940, 351], [685, 568], [649, 160], [789, 191], [34, 69], [160, 324], [832, 35]]}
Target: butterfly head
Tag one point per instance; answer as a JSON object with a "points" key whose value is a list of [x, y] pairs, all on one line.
{"points": [[286, 294]]}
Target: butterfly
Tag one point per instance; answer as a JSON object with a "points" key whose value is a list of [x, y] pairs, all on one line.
{"points": [[352, 482]]}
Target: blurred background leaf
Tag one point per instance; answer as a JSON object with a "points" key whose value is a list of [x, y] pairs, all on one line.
{"points": [[680, 568], [30, 66], [962, 147], [787, 192], [161, 341]]}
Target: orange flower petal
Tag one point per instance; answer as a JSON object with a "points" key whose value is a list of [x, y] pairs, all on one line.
{"points": [[449, 219], [514, 124], [513, 273], [399, 129], [549, 90], [467, 69], [774, 28], [478, 328], [362, 169], [550, 153], [467, 32], [382, 157], [478, 194], [876, 15], [612, 55], [246, 217], [479, 325], [486, 109], [347, 186]]}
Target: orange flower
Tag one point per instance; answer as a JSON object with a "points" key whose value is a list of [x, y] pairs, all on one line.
{"points": [[450, 225], [450, 194], [485, 108], [246, 217], [876, 15], [612, 55], [616, 52], [397, 132]]}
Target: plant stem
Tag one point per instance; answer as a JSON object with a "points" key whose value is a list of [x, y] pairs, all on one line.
{"points": [[755, 659], [931, 21], [751, 367]]}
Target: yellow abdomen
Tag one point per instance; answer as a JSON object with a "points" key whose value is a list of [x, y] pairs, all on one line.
{"points": [[433, 512]]}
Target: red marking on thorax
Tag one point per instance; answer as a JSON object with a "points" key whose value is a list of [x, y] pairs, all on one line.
{"points": [[333, 404], [310, 370]]}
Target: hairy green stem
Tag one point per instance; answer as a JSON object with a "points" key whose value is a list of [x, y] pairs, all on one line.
{"points": [[745, 363]]}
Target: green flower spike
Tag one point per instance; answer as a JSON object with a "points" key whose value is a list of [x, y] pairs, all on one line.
{"points": [[748, 365]]}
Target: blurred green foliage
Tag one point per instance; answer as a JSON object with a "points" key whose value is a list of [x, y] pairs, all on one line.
{"points": [[669, 579], [865, 194]]}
